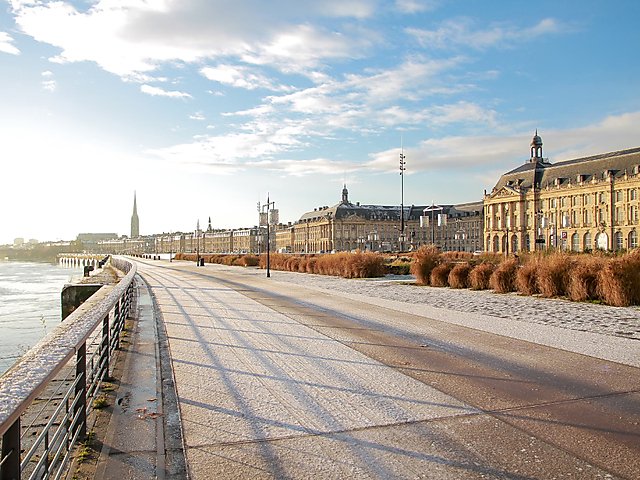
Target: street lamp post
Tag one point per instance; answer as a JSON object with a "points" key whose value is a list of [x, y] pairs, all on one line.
{"points": [[507, 221], [402, 170], [268, 206], [197, 244]]}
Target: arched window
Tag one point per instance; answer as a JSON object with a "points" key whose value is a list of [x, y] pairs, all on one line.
{"points": [[528, 240], [575, 242], [587, 241], [619, 241], [496, 244], [488, 245], [633, 239], [514, 243]]}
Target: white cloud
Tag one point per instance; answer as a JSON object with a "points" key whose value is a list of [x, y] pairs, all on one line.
{"points": [[155, 91], [242, 77], [615, 132], [50, 85], [197, 116], [136, 36], [415, 6], [460, 32], [47, 74], [6, 44], [300, 168]]}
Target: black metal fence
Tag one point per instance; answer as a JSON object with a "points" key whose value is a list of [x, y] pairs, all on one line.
{"points": [[70, 364]]}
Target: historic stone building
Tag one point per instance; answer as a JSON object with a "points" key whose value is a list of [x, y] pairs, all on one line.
{"points": [[579, 204], [348, 226]]}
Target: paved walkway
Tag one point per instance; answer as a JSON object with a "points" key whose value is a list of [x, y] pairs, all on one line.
{"points": [[281, 390]]}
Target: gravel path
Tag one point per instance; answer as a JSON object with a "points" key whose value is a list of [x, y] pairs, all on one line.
{"points": [[586, 317]]}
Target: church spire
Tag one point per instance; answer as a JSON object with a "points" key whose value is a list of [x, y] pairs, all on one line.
{"points": [[135, 221]]}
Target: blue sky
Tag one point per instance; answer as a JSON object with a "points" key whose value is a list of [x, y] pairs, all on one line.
{"points": [[202, 106]]}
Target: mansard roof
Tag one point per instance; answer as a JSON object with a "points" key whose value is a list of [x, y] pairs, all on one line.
{"points": [[345, 210], [540, 175]]}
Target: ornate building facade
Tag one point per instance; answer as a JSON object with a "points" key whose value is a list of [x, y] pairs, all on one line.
{"points": [[348, 226], [578, 204]]}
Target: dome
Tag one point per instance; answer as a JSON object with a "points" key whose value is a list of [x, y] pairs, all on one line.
{"points": [[536, 141]]}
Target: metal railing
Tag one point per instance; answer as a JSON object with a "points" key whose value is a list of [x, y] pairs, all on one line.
{"points": [[76, 357]]}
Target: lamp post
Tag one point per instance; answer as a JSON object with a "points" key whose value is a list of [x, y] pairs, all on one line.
{"points": [[506, 224], [268, 222], [170, 247], [198, 244], [402, 170]]}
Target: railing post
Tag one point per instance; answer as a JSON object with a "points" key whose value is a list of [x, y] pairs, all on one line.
{"points": [[10, 469], [81, 390], [116, 323], [105, 346]]}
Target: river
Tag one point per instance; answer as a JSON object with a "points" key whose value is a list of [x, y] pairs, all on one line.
{"points": [[29, 305]]}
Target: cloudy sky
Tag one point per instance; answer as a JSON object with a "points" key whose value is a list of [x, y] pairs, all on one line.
{"points": [[204, 106]]}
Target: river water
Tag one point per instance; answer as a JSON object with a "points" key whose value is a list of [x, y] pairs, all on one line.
{"points": [[29, 305]]}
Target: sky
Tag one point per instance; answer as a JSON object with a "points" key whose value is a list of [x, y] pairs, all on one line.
{"points": [[205, 107]]}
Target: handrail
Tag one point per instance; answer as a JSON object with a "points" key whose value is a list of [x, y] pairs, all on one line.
{"points": [[31, 374]]}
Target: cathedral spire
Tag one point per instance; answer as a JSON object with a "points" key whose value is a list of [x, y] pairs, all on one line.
{"points": [[135, 221]]}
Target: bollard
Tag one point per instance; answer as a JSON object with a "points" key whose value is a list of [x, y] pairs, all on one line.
{"points": [[87, 269]]}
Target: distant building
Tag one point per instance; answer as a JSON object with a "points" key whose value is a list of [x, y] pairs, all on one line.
{"points": [[135, 221], [18, 241], [578, 204], [348, 226], [95, 237]]}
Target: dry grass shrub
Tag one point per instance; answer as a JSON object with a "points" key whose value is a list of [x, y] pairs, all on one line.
{"points": [[343, 264], [459, 275], [503, 279], [480, 275], [619, 280], [364, 265], [583, 284], [440, 274], [553, 274], [490, 257], [526, 277], [457, 255], [311, 265], [424, 260]]}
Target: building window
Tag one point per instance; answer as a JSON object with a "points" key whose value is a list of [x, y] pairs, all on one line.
{"points": [[587, 199], [576, 201], [634, 213], [528, 242], [634, 194], [575, 242], [588, 217], [619, 214], [528, 204], [633, 239], [602, 197], [564, 201], [619, 242], [619, 196]]}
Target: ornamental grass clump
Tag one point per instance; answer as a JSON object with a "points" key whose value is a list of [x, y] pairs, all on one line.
{"points": [[583, 282], [619, 280], [440, 274], [459, 275], [365, 265], [527, 277], [424, 260], [503, 279], [553, 275], [480, 276]]}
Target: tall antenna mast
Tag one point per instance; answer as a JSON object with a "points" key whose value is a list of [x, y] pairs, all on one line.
{"points": [[402, 170]]}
